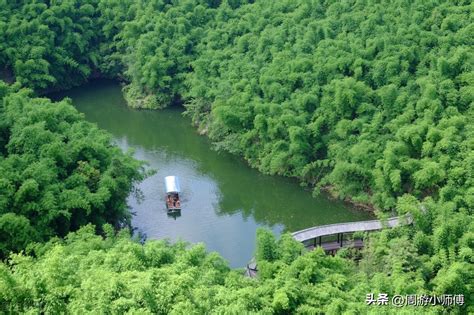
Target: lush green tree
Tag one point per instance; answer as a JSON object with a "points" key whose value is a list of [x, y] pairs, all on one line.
{"points": [[50, 45], [58, 172], [88, 273], [371, 101]]}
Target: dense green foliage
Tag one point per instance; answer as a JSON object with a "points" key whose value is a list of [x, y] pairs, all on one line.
{"points": [[329, 91], [85, 273], [370, 100], [58, 172], [170, 33], [49, 45]]}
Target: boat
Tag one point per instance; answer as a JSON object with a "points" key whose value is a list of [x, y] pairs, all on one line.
{"points": [[172, 201]]}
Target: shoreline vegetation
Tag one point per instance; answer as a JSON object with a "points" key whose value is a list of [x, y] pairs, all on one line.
{"points": [[358, 205], [371, 100]]}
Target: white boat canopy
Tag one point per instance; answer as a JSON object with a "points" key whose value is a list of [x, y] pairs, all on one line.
{"points": [[172, 184]]}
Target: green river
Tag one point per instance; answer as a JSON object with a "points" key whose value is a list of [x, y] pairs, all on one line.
{"points": [[223, 200]]}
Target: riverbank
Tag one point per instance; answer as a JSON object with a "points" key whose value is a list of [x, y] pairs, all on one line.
{"points": [[202, 128], [224, 200]]}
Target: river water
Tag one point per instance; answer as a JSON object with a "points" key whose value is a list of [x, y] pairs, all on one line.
{"points": [[223, 200]]}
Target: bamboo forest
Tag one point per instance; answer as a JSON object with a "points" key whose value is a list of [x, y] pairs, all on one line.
{"points": [[325, 151]]}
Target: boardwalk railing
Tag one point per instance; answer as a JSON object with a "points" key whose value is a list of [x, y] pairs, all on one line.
{"points": [[349, 227]]}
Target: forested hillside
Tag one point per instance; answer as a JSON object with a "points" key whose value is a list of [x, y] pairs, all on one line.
{"points": [[85, 273], [58, 172], [370, 100], [49, 45]]}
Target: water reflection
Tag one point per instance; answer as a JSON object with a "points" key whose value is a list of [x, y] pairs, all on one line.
{"points": [[223, 200]]}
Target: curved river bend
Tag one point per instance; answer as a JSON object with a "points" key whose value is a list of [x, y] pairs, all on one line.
{"points": [[223, 200]]}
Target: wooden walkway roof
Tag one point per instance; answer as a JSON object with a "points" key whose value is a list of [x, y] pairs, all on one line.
{"points": [[349, 227], [333, 229]]}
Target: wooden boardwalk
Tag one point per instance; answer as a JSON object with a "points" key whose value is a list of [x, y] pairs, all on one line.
{"points": [[323, 236], [349, 227]]}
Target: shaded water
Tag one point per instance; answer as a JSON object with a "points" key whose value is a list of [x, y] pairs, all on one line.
{"points": [[223, 200]]}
